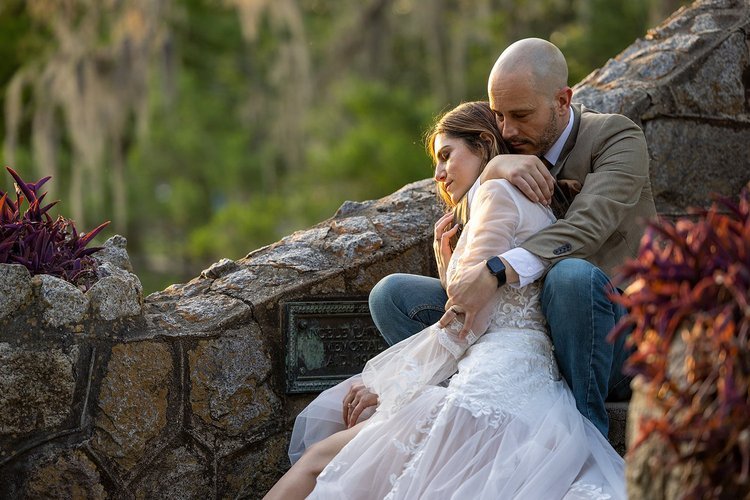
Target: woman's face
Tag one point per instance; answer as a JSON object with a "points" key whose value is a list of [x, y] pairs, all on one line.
{"points": [[457, 167]]}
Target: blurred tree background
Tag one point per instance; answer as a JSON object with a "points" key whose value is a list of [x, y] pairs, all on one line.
{"points": [[208, 128]]}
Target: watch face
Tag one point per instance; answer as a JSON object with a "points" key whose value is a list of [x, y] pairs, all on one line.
{"points": [[497, 268], [495, 265]]}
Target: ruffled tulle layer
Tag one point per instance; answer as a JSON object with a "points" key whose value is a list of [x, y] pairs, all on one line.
{"points": [[435, 448], [505, 427]]}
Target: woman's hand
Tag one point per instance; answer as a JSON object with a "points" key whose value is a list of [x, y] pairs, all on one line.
{"points": [[356, 401], [441, 243]]}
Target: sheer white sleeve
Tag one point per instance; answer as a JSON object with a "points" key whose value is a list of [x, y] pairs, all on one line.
{"points": [[430, 356], [492, 230], [399, 373]]}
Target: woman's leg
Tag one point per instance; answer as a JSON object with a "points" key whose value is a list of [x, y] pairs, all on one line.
{"points": [[299, 481], [404, 304]]}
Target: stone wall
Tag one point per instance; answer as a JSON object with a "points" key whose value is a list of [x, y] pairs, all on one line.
{"points": [[687, 83], [185, 399]]}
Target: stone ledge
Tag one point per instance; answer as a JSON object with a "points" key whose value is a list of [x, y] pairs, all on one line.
{"points": [[618, 418], [46, 302]]}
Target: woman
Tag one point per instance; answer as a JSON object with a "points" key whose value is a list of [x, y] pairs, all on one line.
{"points": [[473, 124], [506, 426]]}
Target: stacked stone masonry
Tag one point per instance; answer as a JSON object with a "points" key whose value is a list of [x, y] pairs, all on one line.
{"points": [[105, 394]]}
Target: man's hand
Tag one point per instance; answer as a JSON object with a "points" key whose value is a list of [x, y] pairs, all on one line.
{"points": [[468, 295], [526, 172], [355, 402]]}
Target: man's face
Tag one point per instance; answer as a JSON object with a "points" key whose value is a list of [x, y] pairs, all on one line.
{"points": [[529, 122]]}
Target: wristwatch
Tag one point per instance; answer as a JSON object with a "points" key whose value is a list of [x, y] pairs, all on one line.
{"points": [[496, 267]]}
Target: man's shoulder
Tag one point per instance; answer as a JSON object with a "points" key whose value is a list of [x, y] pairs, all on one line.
{"points": [[601, 132], [592, 119]]}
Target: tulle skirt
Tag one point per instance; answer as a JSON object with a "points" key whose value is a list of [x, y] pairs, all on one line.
{"points": [[502, 429]]}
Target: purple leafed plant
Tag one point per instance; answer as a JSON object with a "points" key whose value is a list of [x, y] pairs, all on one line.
{"points": [[692, 280], [42, 244]]}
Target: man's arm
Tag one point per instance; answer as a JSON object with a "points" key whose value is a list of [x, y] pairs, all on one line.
{"points": [[614, 176], [526, 172], [522, 267], [613, 187]]}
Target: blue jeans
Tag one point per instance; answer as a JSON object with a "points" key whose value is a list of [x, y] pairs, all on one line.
{"points": [[404, 304], [579, 313]]}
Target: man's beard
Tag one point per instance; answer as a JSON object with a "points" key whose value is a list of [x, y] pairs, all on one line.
{"points": [[549, 134], [546, 140]]}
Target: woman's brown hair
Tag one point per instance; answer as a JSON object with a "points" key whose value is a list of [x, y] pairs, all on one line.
{"points": [[474, 123]]}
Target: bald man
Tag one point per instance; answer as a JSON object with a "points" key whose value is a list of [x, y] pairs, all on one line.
{"points": [[553, 143]]}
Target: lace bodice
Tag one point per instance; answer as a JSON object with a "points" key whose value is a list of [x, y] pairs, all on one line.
{"points": [[515, 307], [501, 218]]}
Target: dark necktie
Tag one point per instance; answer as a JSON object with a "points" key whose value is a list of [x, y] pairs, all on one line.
{"points": [[560, 201]]}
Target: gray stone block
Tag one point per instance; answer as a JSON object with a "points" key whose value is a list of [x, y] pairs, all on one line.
{"points": [[63, 303], [15, 288]]}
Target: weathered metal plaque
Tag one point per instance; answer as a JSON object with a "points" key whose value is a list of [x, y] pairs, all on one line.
{"points": [[327, 342]]}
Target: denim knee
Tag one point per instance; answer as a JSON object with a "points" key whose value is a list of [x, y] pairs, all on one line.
{"points": [[403, 304], [384, 295], [575, 301], [579, 279], [575, 274]]}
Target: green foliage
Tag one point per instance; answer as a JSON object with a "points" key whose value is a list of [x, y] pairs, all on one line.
{"points": [[369, 145], [232, 158], [259, 220], [602, 29], [20, 41]]}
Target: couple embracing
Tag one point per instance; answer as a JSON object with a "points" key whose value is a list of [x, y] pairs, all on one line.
{"points": [[541, 188]]}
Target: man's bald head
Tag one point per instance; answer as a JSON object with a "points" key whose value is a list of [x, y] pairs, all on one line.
{"points": [[529, 94], [538, 60]]}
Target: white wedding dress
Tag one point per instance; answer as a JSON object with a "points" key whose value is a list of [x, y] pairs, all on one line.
{"points": [[505, 426]]}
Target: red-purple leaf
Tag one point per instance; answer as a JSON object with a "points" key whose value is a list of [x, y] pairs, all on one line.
{"points": [[87, 237], [38, 184], [20, 184], [32, 238]]}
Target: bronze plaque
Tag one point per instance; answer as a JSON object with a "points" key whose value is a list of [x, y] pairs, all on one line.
{"points": [[327, 342]]}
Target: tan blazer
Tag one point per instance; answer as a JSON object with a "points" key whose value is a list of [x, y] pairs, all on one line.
{"points": [[607, 154]]}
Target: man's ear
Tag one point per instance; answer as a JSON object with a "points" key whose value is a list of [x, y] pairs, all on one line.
{"points": [[563, 99]]}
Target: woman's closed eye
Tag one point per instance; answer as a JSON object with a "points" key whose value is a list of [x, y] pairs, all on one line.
{"points": [[443, 152]]}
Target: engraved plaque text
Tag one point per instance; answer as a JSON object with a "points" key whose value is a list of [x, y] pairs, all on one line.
{"points": [[327, 342]]}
